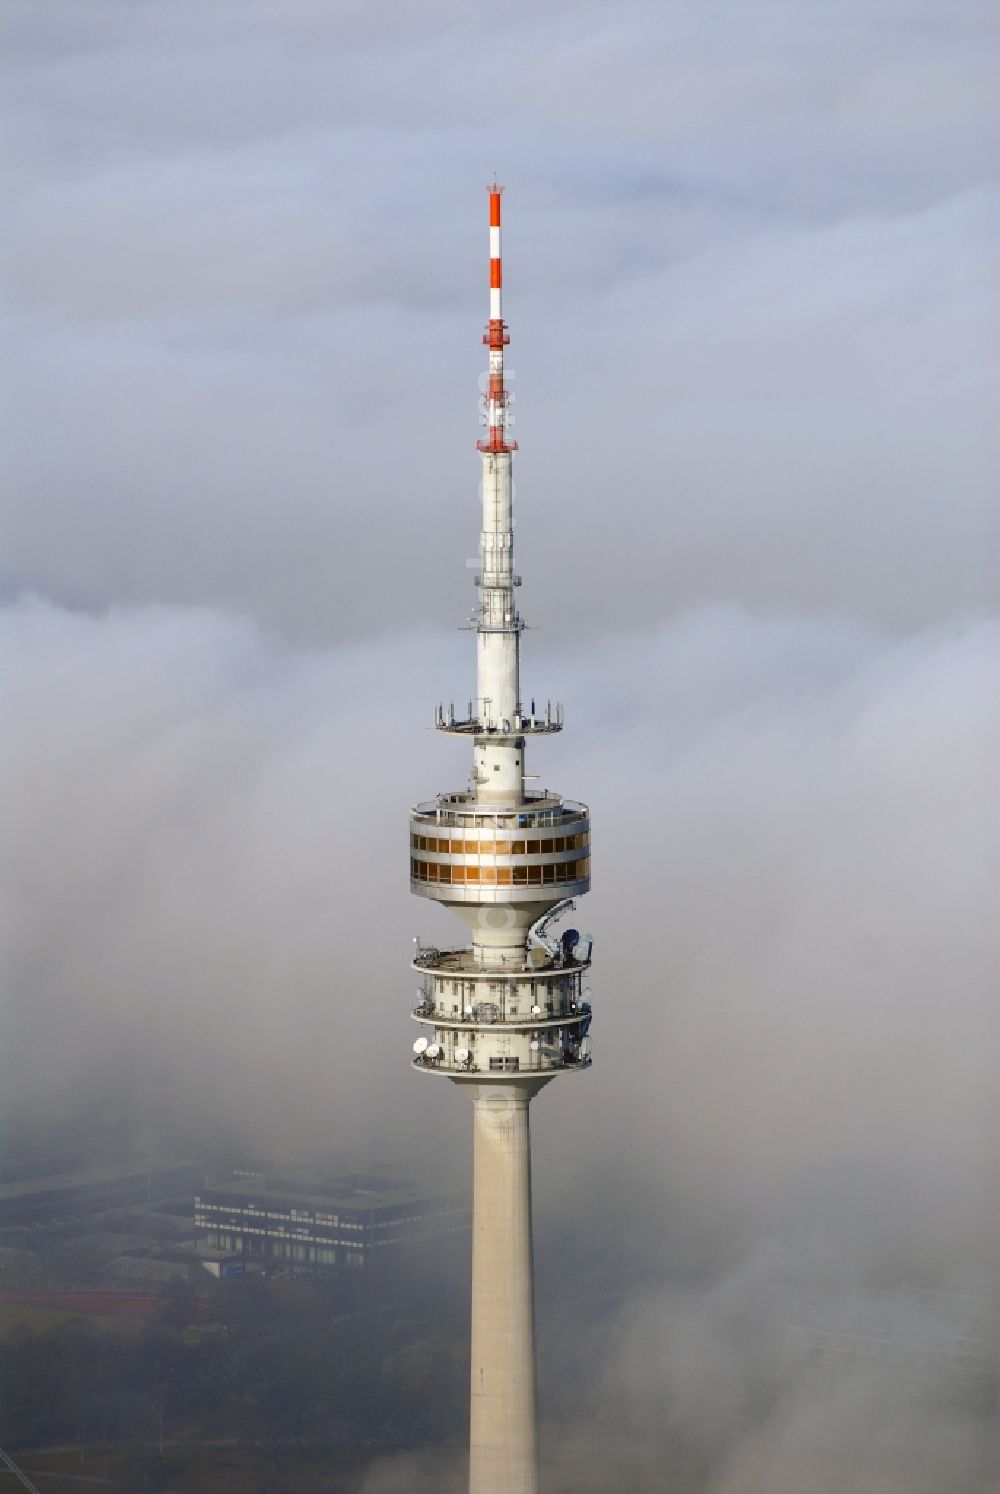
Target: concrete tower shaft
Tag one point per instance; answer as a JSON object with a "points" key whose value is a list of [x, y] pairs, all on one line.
{"points": [[509, 1012], [502, 1436]]}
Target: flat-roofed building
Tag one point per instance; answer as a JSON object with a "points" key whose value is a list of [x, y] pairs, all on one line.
{"points": [[320, 1222]]}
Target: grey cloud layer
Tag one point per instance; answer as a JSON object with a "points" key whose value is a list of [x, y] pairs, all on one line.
{"points": [[794, 1103], [813, 856], [747, 278]]}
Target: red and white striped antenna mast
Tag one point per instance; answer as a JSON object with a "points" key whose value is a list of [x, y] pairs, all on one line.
{"points": [[496, 339]]}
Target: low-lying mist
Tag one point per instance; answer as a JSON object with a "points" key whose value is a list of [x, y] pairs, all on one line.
{"points": [[766, 1233]]}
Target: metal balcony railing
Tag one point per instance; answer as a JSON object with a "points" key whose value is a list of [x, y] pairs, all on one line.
{"points": [[462, 962], [493, 1016], [539, 1063], [541, 809]]}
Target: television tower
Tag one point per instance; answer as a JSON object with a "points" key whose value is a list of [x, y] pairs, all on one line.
{"points": [[509, 1012]]}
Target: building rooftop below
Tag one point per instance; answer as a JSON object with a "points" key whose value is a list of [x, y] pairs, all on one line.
{"points": [[353, 1192]]}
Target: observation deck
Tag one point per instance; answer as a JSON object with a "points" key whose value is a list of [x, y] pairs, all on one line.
{"points": [[539, 808], [535, 963], [530, 1015], [543, 725], [486, 1014], [464, 851], [500, 1068]]}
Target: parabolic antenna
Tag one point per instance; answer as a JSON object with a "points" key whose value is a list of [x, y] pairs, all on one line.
{"points": [[461, 1055], [420, 1046], [536, 1011], [535, 1045], [434, 1051]]}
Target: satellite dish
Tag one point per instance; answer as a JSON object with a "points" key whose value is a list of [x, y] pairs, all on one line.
{"points": [[461, 1055], [420, 1046], [434, 1051], [535, 1045], [536, 1011]]}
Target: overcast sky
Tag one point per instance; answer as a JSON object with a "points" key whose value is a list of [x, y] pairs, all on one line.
{"points": [[748, 279], [750, 259]]}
